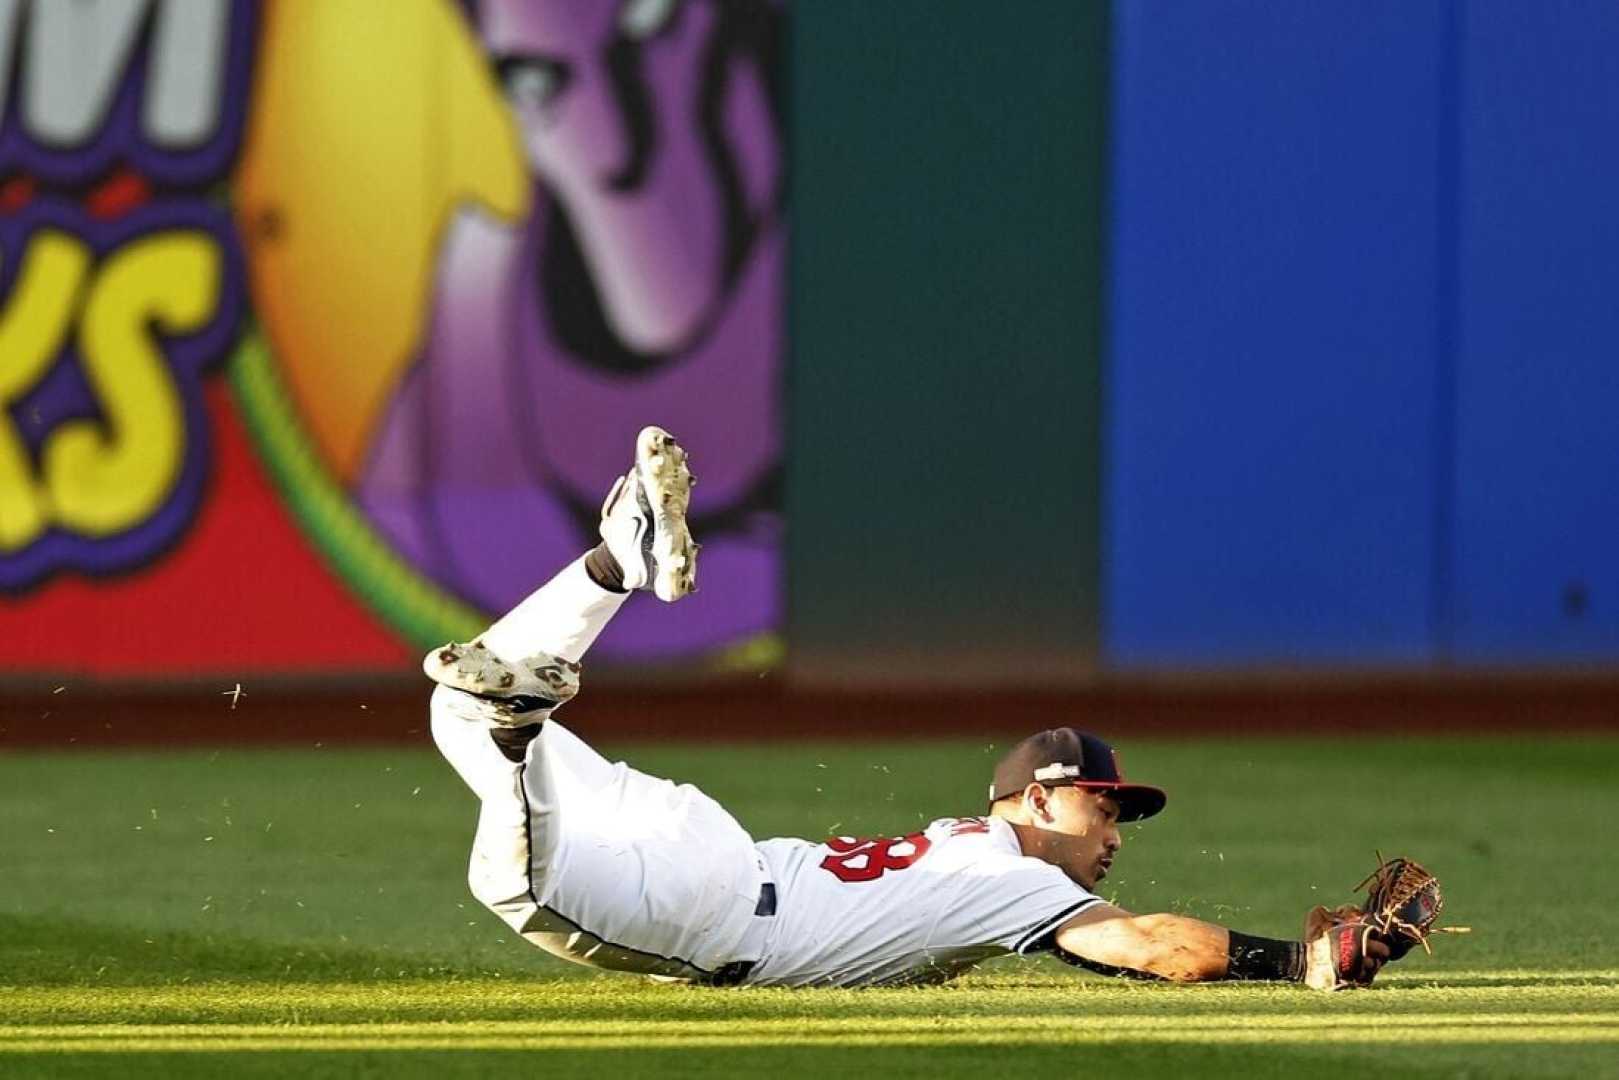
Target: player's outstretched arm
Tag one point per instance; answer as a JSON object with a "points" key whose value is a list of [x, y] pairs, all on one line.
{"points": [[1166, 946], [1184, 949]]}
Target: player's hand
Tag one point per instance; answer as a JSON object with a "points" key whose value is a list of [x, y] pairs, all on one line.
{"points": [[1375, 952], [1342, 950]]}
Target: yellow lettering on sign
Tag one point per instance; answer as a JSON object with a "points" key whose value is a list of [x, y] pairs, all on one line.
{"points": [[34, 324], [105, 476]]}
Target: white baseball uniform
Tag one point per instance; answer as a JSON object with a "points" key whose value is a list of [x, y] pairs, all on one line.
{"points": [[918, 908], [603, 865]]}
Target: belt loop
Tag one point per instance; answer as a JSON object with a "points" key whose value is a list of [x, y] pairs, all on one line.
{"points": [[767, 900]]}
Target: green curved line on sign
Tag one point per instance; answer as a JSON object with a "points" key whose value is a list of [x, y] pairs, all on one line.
{"points": [[423, 613]]}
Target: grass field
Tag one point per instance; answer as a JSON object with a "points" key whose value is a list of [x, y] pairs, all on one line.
{"points": [[302, 913]]}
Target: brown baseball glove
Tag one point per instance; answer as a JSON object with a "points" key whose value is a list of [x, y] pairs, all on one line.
{"points": [[1347, 946], [1403, 901]]}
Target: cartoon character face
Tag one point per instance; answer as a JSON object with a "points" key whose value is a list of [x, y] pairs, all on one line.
{"points": [[651, 125], [591, 192]]}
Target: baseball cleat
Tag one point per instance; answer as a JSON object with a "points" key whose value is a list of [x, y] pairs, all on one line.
{"points": [[644, 519], [522, 692]]}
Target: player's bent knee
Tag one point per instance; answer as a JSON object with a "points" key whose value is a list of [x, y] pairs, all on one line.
{"points": [[507, 895]]}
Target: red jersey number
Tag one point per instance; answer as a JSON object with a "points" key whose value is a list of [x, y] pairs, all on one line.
{"points": [[868, 860]]}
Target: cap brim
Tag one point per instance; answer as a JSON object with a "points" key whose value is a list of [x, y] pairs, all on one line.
{"points": [[1136, 801]]}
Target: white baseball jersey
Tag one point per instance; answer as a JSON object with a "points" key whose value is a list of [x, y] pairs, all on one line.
{"points": [[913, 909]]}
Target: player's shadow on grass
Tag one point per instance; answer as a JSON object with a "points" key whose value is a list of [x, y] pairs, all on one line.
{"points": [[44, 951]]}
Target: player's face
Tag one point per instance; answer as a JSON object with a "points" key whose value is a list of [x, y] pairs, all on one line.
{"points": [[1087, 828]]}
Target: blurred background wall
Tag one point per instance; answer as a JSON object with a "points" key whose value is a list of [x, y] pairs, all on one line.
{"points": [[1033, 345], [1361, 376], [328, 326], [946, 341], [1358, 379]]}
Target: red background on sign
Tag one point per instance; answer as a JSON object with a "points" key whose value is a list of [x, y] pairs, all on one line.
{"points": [[243, 590]]}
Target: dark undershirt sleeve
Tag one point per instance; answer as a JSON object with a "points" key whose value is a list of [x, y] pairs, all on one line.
{"points": [[1101, 969]]}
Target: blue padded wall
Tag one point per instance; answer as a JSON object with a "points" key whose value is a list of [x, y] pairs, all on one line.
{"points": [[1536, 569], [1270, 454]]}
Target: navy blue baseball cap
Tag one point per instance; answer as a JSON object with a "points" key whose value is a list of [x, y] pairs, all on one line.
{"points": [[1065, 757]]}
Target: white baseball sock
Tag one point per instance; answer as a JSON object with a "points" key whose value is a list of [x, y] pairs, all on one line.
{"points": [[563, 617]]}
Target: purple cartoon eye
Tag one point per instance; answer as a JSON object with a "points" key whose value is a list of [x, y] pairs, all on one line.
{"points": [[532, 81], [642, 20]]}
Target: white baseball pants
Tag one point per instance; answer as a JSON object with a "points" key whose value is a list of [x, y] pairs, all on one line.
{"points": [[593, 861]]}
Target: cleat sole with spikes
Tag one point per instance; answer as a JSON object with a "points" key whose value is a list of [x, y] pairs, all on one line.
{"points": [[525, 691], [666, 483]]}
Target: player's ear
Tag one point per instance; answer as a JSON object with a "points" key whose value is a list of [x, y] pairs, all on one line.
{"points": [[1037, 800]]}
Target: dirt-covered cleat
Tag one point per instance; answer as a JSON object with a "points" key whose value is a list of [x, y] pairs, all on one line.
{"points": [[644, 519], [523, 693]]}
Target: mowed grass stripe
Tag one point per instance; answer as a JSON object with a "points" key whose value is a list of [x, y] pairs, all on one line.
{"points": [[1569, 1028], [1501, 976], [625, 1000], [1037, 1024]]}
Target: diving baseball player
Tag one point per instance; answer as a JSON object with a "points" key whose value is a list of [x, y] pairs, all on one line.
{"points": [[606, 866]]}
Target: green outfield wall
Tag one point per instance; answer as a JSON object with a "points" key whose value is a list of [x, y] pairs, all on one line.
{"points": [[945, 339]]}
